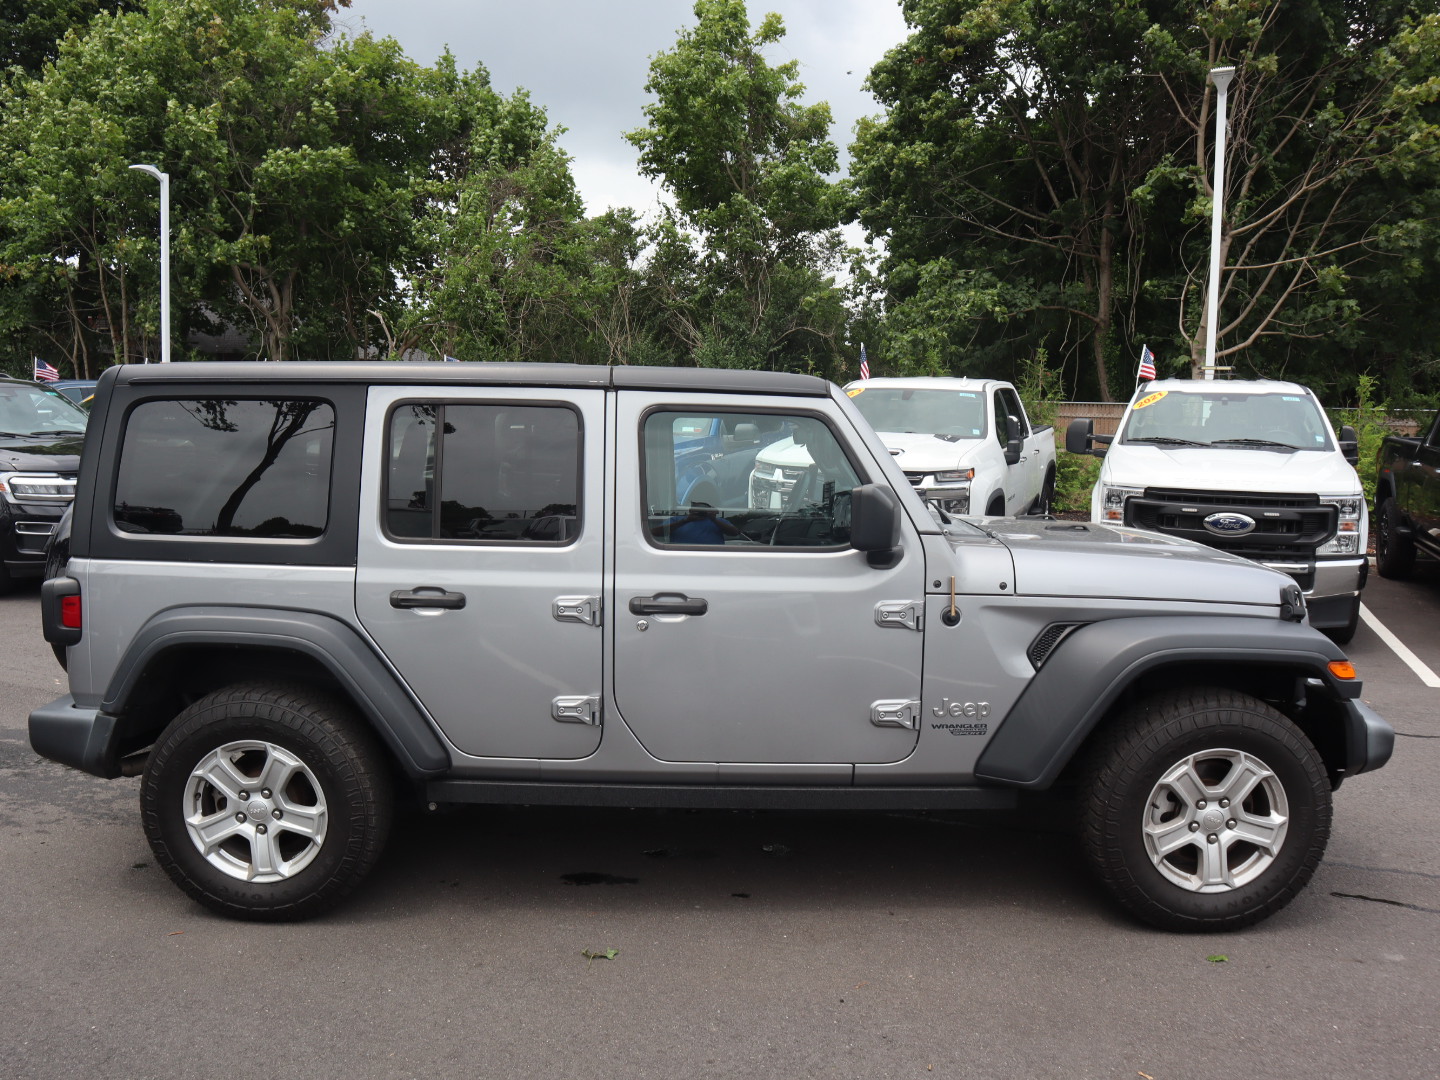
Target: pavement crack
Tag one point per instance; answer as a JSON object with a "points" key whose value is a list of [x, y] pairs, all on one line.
{"points": [[1382, 900]]}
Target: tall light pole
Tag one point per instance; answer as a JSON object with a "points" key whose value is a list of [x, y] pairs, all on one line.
{"points": [[164, 179], [1221, 78]]}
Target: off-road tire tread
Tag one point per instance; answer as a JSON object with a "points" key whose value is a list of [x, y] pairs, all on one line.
{"points": [[1130, 747], [319, 725]]}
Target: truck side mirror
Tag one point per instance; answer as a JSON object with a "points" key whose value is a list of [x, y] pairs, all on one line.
{"points": [[875, 524], [1013, 443], [1080, 438], [1350, 445]]}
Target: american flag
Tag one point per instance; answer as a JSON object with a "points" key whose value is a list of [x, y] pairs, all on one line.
{"points": [[864, 363], [1147, 363], [45, 372]]}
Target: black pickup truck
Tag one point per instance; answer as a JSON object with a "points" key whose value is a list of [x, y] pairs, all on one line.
{"points": [[1407, 501]]}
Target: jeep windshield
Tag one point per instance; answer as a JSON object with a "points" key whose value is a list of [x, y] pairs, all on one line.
{"points": [[946, 414], [1227, 420]]}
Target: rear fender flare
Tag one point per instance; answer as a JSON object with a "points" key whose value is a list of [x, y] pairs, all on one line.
{"points": [[354, 664]]}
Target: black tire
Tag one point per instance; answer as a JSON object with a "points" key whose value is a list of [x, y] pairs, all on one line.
{"points": [[1045, 501], [996, 507], [337, 795], [1394, 554], [1132, 799]]}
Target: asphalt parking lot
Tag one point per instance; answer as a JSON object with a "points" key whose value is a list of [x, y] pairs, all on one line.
{"points": [[880, 945]]}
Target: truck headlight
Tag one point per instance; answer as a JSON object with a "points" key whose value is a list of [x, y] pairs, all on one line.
{"points": [[1349, 525], [954, 476], [1112, 502]]}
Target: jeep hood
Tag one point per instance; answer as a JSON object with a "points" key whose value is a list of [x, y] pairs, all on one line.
{"points": [[1201, 468], [1061, 558]]}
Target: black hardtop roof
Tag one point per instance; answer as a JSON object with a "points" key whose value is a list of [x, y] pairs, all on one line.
{"points": [[718, 380]]}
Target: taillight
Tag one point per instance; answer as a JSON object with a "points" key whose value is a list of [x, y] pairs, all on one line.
{"points": [[70, 613]]}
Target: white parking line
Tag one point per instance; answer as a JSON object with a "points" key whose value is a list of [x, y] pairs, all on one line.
{"points": [[1413, 662]]}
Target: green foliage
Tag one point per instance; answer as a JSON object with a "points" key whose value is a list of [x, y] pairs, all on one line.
{"points": [[1075, 477], [1038, 385], [1371, 419], [1040, 177], [299, 168], [743, 259]]}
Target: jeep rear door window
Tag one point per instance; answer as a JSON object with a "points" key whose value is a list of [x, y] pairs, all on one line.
{"points": [[503, 473], [746, 480], [226, 467]]}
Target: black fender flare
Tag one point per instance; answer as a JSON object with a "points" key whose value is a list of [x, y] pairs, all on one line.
{"points": [[1095, 664], [364, 674]]}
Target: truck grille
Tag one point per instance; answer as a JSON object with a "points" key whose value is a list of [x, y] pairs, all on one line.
{"points": [[1285, 524]]}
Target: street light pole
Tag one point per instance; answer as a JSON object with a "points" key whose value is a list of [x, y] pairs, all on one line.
{"points": [[1221, 78], [164, 179]]}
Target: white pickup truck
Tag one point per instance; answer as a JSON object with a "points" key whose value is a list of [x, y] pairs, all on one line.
{"points": [[965, 444], [1250, 467]]}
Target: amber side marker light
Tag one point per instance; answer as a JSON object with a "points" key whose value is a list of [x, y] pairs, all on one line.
{"points": [[1342, 669]]}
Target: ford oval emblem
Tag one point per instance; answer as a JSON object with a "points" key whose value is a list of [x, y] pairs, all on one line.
{"points": [[1229, 524]]}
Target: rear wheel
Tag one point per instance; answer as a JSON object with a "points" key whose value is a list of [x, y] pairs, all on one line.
{"points": [[1205, 810], [1045, 501], [1394, 553], [266, 801]]}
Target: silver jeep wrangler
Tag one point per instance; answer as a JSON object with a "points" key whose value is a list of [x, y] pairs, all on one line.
{"points": [[295, 593]]}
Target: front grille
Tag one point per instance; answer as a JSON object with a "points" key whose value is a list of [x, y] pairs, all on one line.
{"points": [[917, 479], [1285, 524]]}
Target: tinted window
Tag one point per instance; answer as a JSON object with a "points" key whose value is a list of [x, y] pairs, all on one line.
{"points": [[755, 479], [226, 467], [508, 473]]}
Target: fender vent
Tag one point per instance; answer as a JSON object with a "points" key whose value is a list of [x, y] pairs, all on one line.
{"points": [[1045, 642]]}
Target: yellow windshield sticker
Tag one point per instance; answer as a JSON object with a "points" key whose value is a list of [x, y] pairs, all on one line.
{"points": [[1150, 399], [856, 392]]}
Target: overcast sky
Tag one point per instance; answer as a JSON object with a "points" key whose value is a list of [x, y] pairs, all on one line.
{"points": [[587, 61]]}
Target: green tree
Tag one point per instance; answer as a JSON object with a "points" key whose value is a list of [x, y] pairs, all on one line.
{"points": [[747, 248], [299, 167], [1040, 178], [31, 30]]}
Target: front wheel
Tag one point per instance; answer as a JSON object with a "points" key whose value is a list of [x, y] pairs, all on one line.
{"points": [[266, 801], [1205, 810], [1394, 552]]}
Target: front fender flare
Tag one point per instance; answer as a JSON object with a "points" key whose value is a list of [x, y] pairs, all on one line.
{"points": [[1087, 673]]}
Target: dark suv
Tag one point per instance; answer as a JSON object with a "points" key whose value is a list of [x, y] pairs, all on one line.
{"points": [[41, 433]]}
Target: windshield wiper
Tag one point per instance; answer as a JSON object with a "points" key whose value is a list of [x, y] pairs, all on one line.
{"points": [[1166, 440], [1253, 442], [58, 431]]}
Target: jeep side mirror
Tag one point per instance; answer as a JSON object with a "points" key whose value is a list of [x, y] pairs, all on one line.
{"points": [[1080, 438], [1013, 443], [1350, 445], [875, 524]]}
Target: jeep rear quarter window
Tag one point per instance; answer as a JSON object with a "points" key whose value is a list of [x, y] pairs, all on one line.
{"points": [[225, 467], [502, 473]]}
